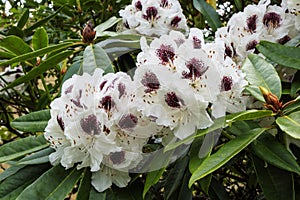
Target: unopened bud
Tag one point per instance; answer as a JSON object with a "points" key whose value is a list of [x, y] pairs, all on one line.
{"points": [[88, 33], [272, 100]]}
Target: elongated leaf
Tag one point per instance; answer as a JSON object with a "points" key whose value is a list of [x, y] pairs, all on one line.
{"points": [[43, 67], [42, 21], [14, 184], [218, 123], [95, 57], [22, 147], [23, 19], [261, 73], [40, 39], [209, 13], [94, 195], [224, 154], [275, 183], [151, 179], [290, 124], [106, 25], [268, 149], [217, 190], [284, 55], [32, 122], [295, 85], [34, 54], [15, 45], [56, 183], [6, 55], [175, 176], [39, 157], [248, 115], [85, 186]]}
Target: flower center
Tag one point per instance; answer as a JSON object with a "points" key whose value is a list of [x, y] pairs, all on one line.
{"points": [[271, 20], [151, 13], [165, 53], [90, 125], [175, 21], [128, 121], [138, 5], [196, 69], [107, 103], [117, 157], [226, 83], [251, 23], [173, 100], [151, 82]]}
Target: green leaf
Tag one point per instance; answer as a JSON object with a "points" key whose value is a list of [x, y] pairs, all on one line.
{"points": [[218, 123], [224, 154], [13, 185], [238, 4], [22, 147], [32, 122], [95, 57], [34, 54], [268, 149], [290, 124], [56, 183], [42, 21], [261, 73], [284, 55], [175, 176], [75, 68], [15, 45], [23, 19], [209, 13], [85, 186], [94, 195], [185, 192], [43, 67], [151, 179], [40, 39], [106, 25], [6, 55], [295, 85], [217, 190], [248, 115], [39, 157], [275, 183]]}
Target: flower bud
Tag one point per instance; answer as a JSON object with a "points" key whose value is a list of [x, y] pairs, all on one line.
{"points": [[88, 33], [272, 100]]}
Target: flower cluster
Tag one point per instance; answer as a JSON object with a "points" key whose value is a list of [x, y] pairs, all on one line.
{"points": [[258, 22], [181, 84], [153, 17]]}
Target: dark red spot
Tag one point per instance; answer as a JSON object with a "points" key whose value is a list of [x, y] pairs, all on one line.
{"points": [[196, 68], [175, 21], [60, 123], [117, 157], [90, 125], [69, 89], [173, 100], [151, 13], [284, 39], [77, 100], [150, 81], [126, 25], [128, 121], [197, 43], [102, 85], [165, 53], [164, 3], [226, 83], [271, 20], [251, 45], [251, 23], [138, 5], [121, 89], [107, 103]]}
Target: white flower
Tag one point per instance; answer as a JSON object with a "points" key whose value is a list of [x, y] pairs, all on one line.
{"points": [[294, 8]]}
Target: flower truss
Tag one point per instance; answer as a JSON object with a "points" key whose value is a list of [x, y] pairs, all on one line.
{"points": [[181, 84]]}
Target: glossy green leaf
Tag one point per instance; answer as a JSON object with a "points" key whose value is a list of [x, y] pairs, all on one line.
{"points": [[248, 115], [218, 123], [295, 88], [22, 147], [261, 73], [40, 39], [209, 13], [94, 195], [16, 31], [294, 107], [106, 25], [224, 154], [6, 55], [151, 179], [185, 192], [34, 54], [290, 124], [32, 122], [284, 55], [15, 45], [13, 185], [23, 19], [43, 67], [239, 4], [267, 148], [217, 190], [56, 183], [275, 183], [175, 176], [95, 57], [85, 186], [39, 157]]}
